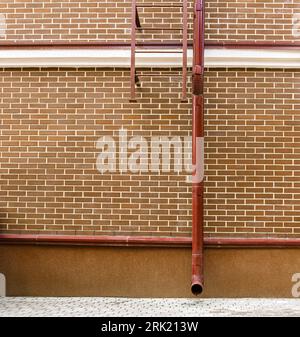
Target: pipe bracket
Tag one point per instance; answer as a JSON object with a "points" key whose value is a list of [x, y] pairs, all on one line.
{"points": [[199, 6]]}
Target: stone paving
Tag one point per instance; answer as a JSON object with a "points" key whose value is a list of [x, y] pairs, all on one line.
{"points": [[126, 307]]}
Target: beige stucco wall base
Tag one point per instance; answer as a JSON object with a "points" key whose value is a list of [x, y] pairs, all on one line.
{"points": [[145, 272]]}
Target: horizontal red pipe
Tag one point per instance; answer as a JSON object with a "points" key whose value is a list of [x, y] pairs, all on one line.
{"points": [[252, 242], [125, 241], [253, 45], [57, 45], [208, 44], [94, 240]]}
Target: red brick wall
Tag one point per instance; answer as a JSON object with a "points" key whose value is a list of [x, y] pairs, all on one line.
{"points": [[107, 20], [253, 142], [240, 20], [51, 120]]}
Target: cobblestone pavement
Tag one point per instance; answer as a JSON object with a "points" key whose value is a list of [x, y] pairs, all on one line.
{"points": [[124, 307]]}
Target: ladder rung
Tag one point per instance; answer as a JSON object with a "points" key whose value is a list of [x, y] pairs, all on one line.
{"points": [[164, 44], [157, 5], [159, 51], [159, 75], [162, 29], [177, 72], [160, 45], [162, 71]]}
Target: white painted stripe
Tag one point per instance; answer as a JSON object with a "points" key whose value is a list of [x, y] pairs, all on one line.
{"points": [[262, 58]]}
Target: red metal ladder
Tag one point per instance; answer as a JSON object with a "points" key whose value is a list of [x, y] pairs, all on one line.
{"points": [[136, 26]]}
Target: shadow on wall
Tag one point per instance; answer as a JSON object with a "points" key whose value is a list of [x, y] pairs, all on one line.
{"points": [[2, 285], [2, 26], [296, 25]]}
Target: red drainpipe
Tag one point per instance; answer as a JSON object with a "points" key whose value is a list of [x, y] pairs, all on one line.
{"points": [[198, 134]]}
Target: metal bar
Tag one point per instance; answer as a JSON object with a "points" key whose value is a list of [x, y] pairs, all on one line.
{"points": [[253, 44], [92, 240], [197, 134], [170, 77], [158, 75], [184, 51], [253, 242], [82, 240], [159, 5], [133, 45], [165, 45], [175, 44], [88, 45], [159, 51], [161, 29]]}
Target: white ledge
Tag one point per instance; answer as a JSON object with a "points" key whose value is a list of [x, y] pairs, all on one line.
{"points": [[216, 58]]}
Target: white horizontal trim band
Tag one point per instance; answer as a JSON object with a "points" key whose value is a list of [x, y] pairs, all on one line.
{"points": [[216, 58]]}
